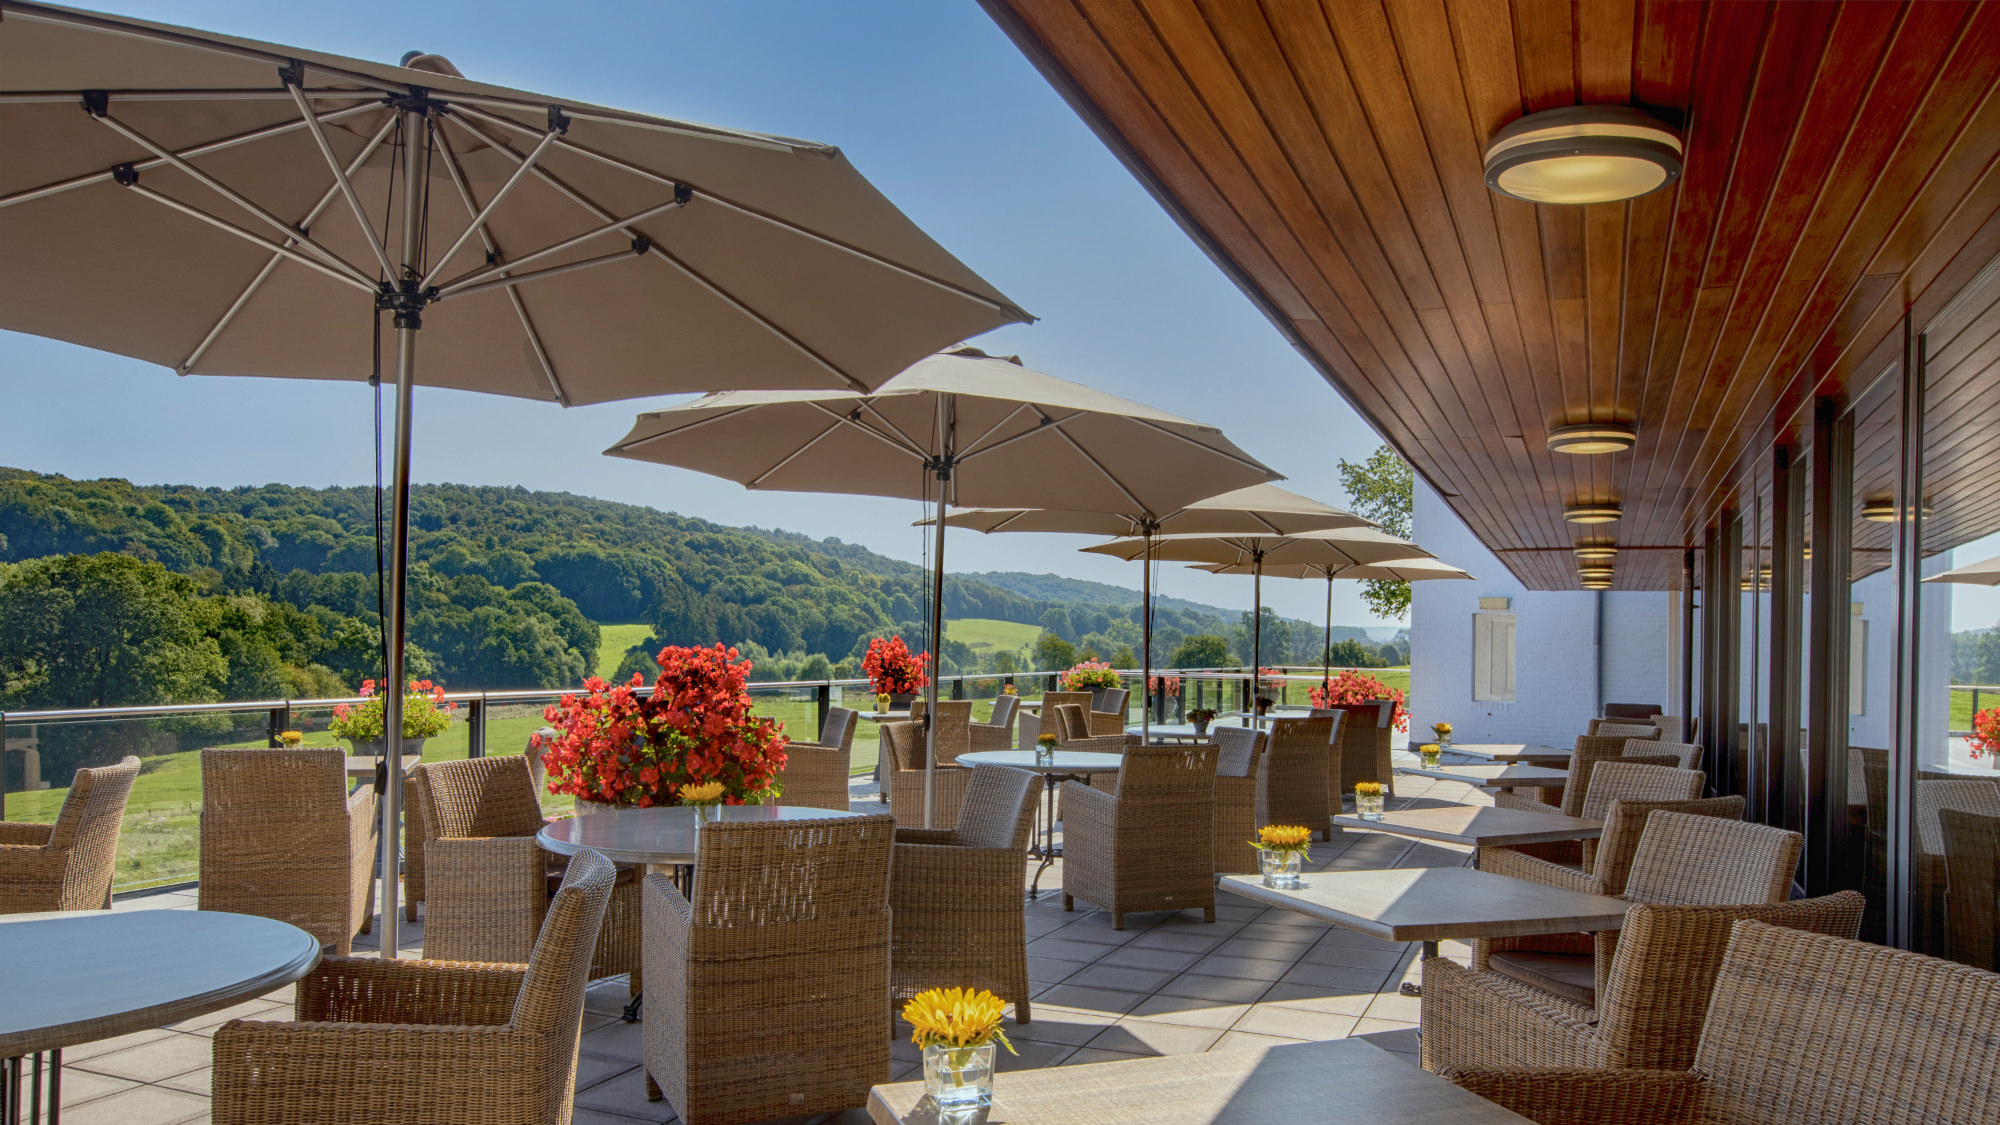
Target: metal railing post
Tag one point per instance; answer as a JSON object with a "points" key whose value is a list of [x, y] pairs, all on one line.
{"points": [[475, 727], [958, 688], [824, 697], [281, 721]]}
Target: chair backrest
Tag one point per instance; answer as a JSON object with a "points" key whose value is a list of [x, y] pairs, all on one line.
{"points": [[1687, 755], [1054, 699], [1590, 750], [1167, 785], [1616, 780], [954, 728], [1972, 888], [550, 1000], [999, 808], [1655, 995], [773, 888], [1669, 726], [308, 784], [1807, 1027], [1338, 716], [1298, 733], [1708, 861], [1607, 728], [478, 797], [92, 815], [1973, 794], [1072, 722], [1874, 784], [1003, 711], [838, 729], [1625, 823], [1237, 750], [1631, 710], [1113, 701], [906, 747]]}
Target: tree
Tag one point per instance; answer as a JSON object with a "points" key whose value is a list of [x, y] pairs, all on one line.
{"points": [[1052, 653], [1382, 489], [105, 630], [1057, 620], [1203, 650], [1350, 653]]}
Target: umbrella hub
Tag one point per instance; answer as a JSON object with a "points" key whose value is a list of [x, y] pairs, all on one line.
{"points": [[406, 298]]}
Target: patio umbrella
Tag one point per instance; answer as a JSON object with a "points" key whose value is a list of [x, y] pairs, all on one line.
{"points": [[1406, 570], [961, 428], [223, 206], [1986, 572], [1337, 547], [1256, 510]]}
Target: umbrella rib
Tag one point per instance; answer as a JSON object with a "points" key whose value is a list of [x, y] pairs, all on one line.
{"points": [[1246, 462], [113, 26], [61, 186], [340, 180], [509, 282], [690, 272], [229, 193], [805, 232], [758, 480], [479, 278], [1137, 504], [513, 295], [224, 225], [479, 218], [912, 445], [243, 298], [627, 446], [972, 446]]}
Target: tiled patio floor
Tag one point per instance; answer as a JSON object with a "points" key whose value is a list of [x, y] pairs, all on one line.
{"points": [[1168, 984]]}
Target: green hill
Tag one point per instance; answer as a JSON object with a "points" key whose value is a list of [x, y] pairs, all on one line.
{"points": [[982, 633]]}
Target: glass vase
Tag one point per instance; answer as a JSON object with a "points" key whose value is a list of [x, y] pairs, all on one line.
{"points": [[1432, 758], [959, 1079], [705, 815], [1045, 755], [1281, 867], [1368, 806]]}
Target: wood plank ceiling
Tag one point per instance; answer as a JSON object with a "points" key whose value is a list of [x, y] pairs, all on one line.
{"points": [[1840, 168]]}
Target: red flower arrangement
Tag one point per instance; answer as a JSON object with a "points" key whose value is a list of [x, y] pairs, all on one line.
{"points": [[1169, 684], [893, 670], [1985, 732], [615, 748], [1359, 687]]}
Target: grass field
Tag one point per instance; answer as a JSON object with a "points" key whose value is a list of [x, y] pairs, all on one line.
{"points": [[984, 633], [612, 641]]}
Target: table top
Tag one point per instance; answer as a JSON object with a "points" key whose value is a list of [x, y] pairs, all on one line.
{"points": [[885, 716], [1066, 761], [1180, 732], [78, 976], [1479, 825], [363, 765], [663, 835], [1267, 1085], [1435, 903], [1527, 753], [1496, 775]]}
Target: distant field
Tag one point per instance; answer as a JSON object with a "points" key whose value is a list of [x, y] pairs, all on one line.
{"points": [[612, 641], [986, 633]]}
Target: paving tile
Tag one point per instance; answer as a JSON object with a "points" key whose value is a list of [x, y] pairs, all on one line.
{"points": [[1032, 1055], [625, 1093], [1227, 990], [1146, 1037], [1246, 968], [1189, 1011], [1265, 949], [1176, 939], [1095, 1055], [1103, 975], [1070, 1027], [619, 1040], [1315, 998], [1336, 977], [1063, 949], [1169, 961], [1387, 1034], [140, 1105], [249, 1010], [82, 1051], [1396, 1006], [1294, 1023], [1237, 1040], [1051, 969], [1092, 999], [150, 1062], [193, 1082], [1356, 956], [79, 1086], [599, 1117], [590, 1070], [1095, 927]]}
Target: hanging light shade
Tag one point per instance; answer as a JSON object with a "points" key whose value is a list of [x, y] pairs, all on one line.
{"points": [[1593, 437], [1583, 154], [1884, 511], [1595, 582], [1592, 513], [1590, 552]]}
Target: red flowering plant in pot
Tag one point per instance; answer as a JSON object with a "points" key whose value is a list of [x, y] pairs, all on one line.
{"points": [[1985, 732], [893, 670], [613, 747], [1359, 687]]}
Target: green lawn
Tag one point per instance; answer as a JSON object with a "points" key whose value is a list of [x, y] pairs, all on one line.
{"points": [[984, 633], [612, 641]]}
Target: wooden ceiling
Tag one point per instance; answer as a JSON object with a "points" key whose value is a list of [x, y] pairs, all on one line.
{"points": [[1840, 169]]}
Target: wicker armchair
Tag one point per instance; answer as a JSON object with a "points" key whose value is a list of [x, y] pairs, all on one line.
{"points": [[1682, 860], [1648, 778], [1239, 771], [1590, 750], [281, 837], [490, 881], [1972, 863], [1801, 1027], [815, 774], [1032, 724], [433, 1041], [1648, 1014], [1108, 712], [905, 742], [998, 732], [1973, 795], [1149, 845], [1362, 750], [1608, 859], [955, 894], [771, 988], [1687, 755], [1289, 790], [1622, 728], [68, 865]]}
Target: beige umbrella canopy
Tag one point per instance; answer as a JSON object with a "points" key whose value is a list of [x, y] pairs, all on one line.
{"points": [[1986, 572], [223, 206], [960, 427]]}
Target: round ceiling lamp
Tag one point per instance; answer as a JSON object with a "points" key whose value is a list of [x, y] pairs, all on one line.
{"points": [[1596, 551], [1591, 513], [1593, 437], [1595, 582], [1583, 154], [1884, 511]]}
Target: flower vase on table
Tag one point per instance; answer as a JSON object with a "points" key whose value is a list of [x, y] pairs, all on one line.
{"points": [[1442, 732], [705, 799], [1432, 755], [957, 1029], [1368, 800], [1045, 749], [426, 713], [1282, 850], [1201, 717]]}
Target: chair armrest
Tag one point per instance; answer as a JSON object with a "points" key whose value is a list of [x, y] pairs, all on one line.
{"points": [[1094, 802], [1097, 744], [927, 836], [988, 737], [297, 1072], [355, 990], [1587, 1097], [1520, 865], [1507, 799], [486, 897], [933, 871], [1483, 1019], [14, 832]]}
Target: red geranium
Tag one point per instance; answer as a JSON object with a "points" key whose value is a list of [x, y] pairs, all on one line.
{"points": [[1985, 732], [1359, 687], [613, 747], [1169, 684], [891, 668]]}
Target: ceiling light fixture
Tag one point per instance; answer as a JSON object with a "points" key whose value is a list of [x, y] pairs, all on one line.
{"points": [[1591, 513], [1593, 437], [1884, 511], [1603, 551], [1595, 583], [1583, 154]]}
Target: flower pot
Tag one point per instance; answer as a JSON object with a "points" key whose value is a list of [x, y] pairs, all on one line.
{"points": [[1281, 867], [1432, 758], [705, 814], [1201, 728], [901, 702], [380, 747], [959, 1079], [587, 807], [1368, 806]]}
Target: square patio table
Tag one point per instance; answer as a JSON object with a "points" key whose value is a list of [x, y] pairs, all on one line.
{"points": [[1494, 776], [1479, 826], [1525, 753], [1283, 1084]]}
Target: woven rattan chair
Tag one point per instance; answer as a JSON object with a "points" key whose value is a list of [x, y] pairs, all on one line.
{"points": [[1108, 712], [1033, 724], [1801, 1027], [1364, 752], [490, 881], [1149, 845], [770, 989], [906, 779], [1289, 788], [1622, 728], [997, 733], [432, 1041], [281, 837], [1972, 897], [1973, 795], [1608, 859], [1239, 773], [1648, 1014], [1630, 711], [1682, 860], [1687, 754], [1590, 750], [1647, 778], [815, 774], [68, 865], [955, 894]]}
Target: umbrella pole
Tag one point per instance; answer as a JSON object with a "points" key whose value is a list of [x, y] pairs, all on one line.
{"points": [[1146, 647], [1326, 649], [943, 469], [1256, 638], [394, 630]]}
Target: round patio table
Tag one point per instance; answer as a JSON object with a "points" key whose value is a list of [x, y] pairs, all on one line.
{"points": [[78, 976], [1074, 765]]}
